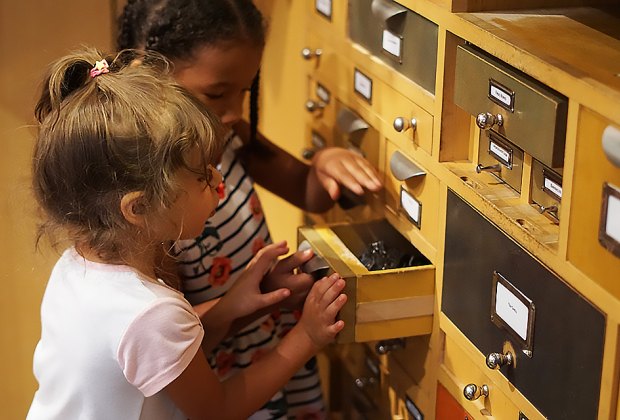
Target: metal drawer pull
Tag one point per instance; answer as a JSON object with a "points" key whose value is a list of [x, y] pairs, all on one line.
{"points": [[386, 10], [498, 360], [553, 210], [491, 168], [611, 145], [312, 106], [403, 124], [364, 382], [387, 346], [348, 122], [308, 53], [486, 120], [404, 169], [473, 392]]}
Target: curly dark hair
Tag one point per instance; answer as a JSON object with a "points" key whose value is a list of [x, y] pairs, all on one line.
{"points": [[176, 28]]}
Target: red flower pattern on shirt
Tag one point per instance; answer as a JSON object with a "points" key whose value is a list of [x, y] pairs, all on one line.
{"points": [[255, 207], [220, 271], [224, 362]]}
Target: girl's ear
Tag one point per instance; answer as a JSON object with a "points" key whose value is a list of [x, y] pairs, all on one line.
{"points": [[133, 208]]}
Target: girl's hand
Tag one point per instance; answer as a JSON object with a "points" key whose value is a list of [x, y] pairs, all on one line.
{"points": [[283, 276], [245, 296], [335, 167], [318, 319]]}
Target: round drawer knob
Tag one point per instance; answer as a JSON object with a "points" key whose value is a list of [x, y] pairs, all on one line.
{"points": [[497, 360], [312, 106], [403, 124], [308, 53], [486, 120], [364, 382], [473, 392], [386, 346]]}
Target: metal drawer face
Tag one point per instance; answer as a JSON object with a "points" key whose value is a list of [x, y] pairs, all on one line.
{"points": [[562, 378], [534, 116], [383, 303], [496, 150], [401, 38], [546, 191]]}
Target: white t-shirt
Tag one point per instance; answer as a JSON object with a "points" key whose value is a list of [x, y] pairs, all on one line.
{"points": [[111, 340]]}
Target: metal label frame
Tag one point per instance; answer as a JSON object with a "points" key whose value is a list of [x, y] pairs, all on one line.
{"points": [[497, 139], [320, 12], [528, 343], [605, 240], [357, 92], [417, 223], [508, 92], [397, 58], [553, 177]]}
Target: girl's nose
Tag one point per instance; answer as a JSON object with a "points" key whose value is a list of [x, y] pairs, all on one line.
{"points": [[233, 113]]}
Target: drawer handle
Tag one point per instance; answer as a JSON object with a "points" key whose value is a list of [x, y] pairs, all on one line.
{"points": [[490, 168], [550, 210], [403, 124], [611, 145], [404, 169], [308, 153], [348, 122], [308, 53], [472, 392], [486, 120], [498, 360], [364, 382], [312, 106], [387, 346], [386, 10]]}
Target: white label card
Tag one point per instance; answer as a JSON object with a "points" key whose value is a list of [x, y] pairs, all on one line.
{"points": [[392, 43], [322, 93], [500, 152], [553, 187], [500, 95], [612, 224], [411, 206], [324, 7], [362, 84], [512, 310]]}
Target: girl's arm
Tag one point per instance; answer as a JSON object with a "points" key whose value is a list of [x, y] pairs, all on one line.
{"points": [[199, 394], [312, 187]]}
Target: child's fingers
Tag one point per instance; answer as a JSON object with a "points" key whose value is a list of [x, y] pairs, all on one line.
{"points": [[321, 286], [293, 261], [333, 291], [271, 298], [265, 258], [335, 306]]}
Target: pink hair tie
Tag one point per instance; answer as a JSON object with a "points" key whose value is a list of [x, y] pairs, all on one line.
{"points": [[100, 67]]}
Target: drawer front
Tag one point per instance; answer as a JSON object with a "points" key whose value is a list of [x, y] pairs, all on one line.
{"points": [[410, 140], [546, 191], [590, 237], [400, 37], [382, 303], [413, 194], [564, 333], [534, 116], [495, 149], [327, 66]]}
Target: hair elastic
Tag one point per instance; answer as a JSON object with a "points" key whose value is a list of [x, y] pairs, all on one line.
{"points": [[100, 67]]}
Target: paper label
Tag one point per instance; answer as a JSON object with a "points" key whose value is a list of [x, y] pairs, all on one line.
{"points": [[324, 7], [362, 84], [512, 310], [392, 43]]}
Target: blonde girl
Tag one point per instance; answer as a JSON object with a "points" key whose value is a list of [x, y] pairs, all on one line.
{"points": [[123, 163]]}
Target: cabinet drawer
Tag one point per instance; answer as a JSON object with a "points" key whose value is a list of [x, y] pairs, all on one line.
{"points": [[591, 244], [410, 139], [500, 297], [382, 303], [398, 36], [534, 116], [413, 194]]}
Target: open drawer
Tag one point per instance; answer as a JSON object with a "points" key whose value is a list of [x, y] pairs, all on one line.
{"points": [[395, 298]]}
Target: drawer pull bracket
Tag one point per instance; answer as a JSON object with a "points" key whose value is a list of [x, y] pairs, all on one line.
{"points": [[486, 120], [498, 360]]}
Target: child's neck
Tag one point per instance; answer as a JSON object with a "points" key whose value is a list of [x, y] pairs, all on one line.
{"points": [[142, 262]]}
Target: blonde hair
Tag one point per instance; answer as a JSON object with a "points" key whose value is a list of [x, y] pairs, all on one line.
{"points": [[101, 137]]}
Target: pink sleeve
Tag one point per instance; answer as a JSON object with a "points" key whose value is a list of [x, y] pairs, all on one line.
{"points": [[159, 344]]}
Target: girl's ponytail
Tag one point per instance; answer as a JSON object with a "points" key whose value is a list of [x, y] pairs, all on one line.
{"points": [[64, 78]]}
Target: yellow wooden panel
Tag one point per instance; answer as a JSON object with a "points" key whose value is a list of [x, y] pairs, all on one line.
{"points": [[592, 170], [393, 105], [393, 329]]}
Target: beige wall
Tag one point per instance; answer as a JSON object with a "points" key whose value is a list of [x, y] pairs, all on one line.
{"points": [[32, 33]]}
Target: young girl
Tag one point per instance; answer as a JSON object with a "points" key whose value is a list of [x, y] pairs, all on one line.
{"points": [[122, 164], [216, 47]]}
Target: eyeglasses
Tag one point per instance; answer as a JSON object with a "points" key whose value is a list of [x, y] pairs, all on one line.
{"points": [[214, 178]]}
